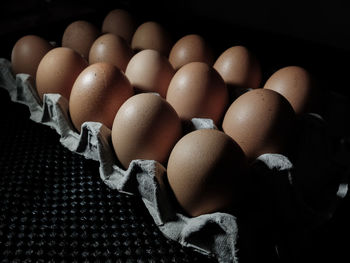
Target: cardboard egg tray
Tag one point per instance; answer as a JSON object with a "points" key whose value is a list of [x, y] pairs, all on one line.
{"points": [[281, 190]]}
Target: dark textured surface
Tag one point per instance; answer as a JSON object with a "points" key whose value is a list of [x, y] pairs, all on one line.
{"points": [[54, 206]]}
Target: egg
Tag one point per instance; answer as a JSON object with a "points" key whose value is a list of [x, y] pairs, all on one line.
{"points": [[79, 36], [150, 71], [198, 91], [111, 48], [145, 127], [97, 94], [190, 48], [27, 54], [239, 68], [58, 70], [260, 121], [206, 171], [296, 85], [151, 35], [119, 22]]}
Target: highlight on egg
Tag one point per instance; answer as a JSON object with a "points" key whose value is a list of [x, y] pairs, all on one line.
{"points": [[239, 68], [58, 70], [111, 48], [97, 94], [150, 71], [191, 48], [206, 172], [296, 84], [261, 121], [145, 127], [198, 91]]}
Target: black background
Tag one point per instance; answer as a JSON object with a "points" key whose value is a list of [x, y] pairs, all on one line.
{"points": [[312, 34]]}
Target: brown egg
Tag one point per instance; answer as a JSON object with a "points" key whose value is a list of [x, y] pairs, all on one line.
{"points": [[198, 91], [119, 22], [190, 48], [145, 127], [150, 71], [260, 121], [27, 53], [97, 94], [239, 68], [79, 36], [151, 35], [296, 85], [205, 170], [58, 70], [111, 48]]}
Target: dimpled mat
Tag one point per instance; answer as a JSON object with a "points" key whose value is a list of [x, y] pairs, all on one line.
{"points": [[55, 208]]}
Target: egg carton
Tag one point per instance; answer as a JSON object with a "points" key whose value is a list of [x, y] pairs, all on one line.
{"points": [[216, 234]]}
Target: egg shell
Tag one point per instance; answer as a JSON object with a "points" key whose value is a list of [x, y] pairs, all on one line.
{"points": [[190, 48], [151, 35], [111, 48], [206, 171], [97, 94], [145, 127], [296, 85], [58, 70], [239, 68], [79, 36], [150, 71], [121, 23], [260, 121], [198, 91], [27, 54]]}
